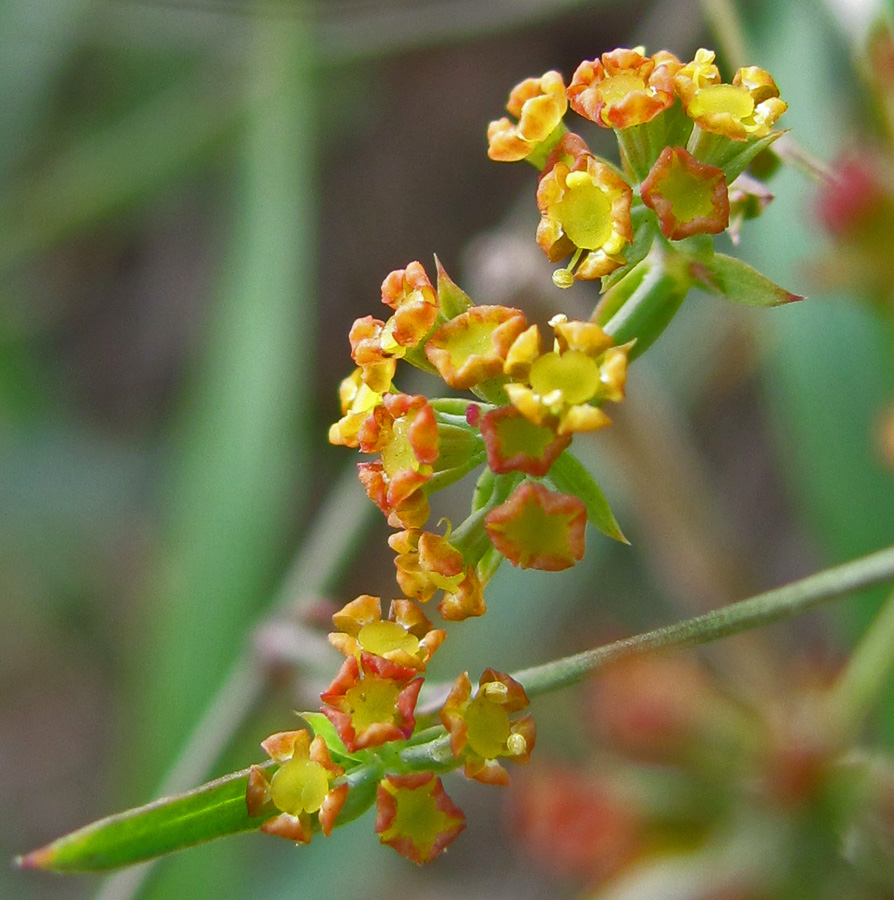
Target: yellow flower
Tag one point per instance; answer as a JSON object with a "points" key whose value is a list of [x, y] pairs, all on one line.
{"points": [[539, 105], [299, 788], [516, 444], [624, 87], [415, 816], [372, 701], [357, 400], [471, 348], [377, 366], [747, 108], [481, 730], [585, 211], [404, 430], [415, 303], [538, 529], [564, 387], [689, 197], [405, 637], [427, 563]]}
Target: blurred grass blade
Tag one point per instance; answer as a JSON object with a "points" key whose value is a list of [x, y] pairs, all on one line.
{"points": [[216, 809], [37, 39], [243, 445], [114, 168]]}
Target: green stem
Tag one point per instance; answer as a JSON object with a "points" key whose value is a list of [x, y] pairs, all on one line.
{"points": [[433, 756], [654, 301], [865, 674], [764, 609]]}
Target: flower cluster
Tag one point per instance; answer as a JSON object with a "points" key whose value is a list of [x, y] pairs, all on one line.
{"points": [[641, 228], [684, 138]]}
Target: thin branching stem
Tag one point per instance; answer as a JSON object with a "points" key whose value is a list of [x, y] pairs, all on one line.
{"points": [[764, 609]]}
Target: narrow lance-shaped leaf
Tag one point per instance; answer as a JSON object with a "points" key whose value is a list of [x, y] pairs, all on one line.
{"points": [[736, 280], [570, 476], [214, 810], [738, 160], [319, 724]]}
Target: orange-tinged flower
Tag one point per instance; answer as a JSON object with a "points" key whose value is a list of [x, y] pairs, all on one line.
{"points": [[415, 816], [516, 444], [562, 388], [415, 303], [539, 105], [299, 788], [405, 637], [538, 529], [584, 210], [357, 401], [747, 108], [404, 430], [471, 348], [376, 346], [376, 366], [578, 824], [481, 729], [372, 701], [624, 87], [657, 708], [689, 197], [427, 563]]}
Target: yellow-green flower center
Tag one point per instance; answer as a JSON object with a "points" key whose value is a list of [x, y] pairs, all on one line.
{"points": [[398, 454], [585, 212], [519, 435], [537, 533], [616, 87], [384, 637], [573, 373], [690, 197], [372, 700], [448, 583], [418, 818], [476, 339], [488, 727], [722, 98], [299, 785]]}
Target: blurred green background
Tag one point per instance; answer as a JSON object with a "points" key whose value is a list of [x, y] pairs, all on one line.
{"points": [[198, 198]]}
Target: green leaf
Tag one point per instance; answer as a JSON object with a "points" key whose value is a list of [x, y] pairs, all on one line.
{"points": [[451, 297], [211, 811], [570, 476], [736, 163], [320, 725], [731, 278]]}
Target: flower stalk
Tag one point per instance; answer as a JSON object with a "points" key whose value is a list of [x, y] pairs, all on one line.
{"points": [[763, 609]]}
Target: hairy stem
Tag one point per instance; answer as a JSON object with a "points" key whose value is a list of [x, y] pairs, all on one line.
{"points": [[764, 609]]}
